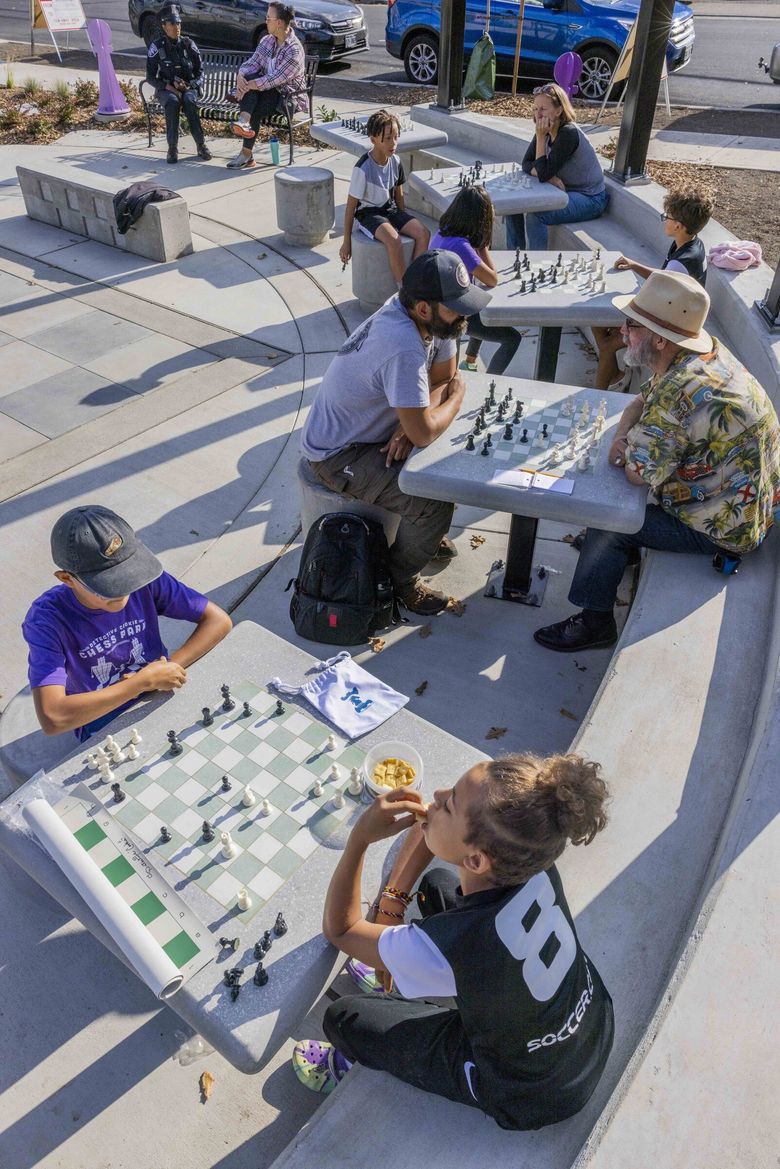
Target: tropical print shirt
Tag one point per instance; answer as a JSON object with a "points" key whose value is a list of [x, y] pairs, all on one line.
{"points": [[708, 443], [282, 68]]}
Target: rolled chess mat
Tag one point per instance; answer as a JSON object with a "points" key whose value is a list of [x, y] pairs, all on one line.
{"points": [[147, 958]]}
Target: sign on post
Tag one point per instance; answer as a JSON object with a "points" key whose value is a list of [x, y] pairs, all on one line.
{"points": [[57, 16]]}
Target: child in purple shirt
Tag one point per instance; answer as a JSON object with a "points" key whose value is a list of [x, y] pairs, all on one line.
{"points": [[94, 640], [466, 228]]}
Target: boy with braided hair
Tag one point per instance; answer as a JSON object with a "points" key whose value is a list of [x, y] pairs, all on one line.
{"points": [[376, 197]]}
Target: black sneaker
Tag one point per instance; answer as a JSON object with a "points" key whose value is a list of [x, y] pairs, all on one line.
{"points": [[446, 550], [418, 598], [574, 635], [204, 152], [173, 154]]}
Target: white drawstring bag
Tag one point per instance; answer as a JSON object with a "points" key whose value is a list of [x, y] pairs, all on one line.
{"points": [[346, 695]]}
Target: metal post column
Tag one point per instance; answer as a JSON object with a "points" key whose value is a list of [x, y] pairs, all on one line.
{"points": [[769, 307], [652, 36], [453, 34]]}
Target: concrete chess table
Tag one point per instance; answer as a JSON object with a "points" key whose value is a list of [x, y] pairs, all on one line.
{"points": [[441, 186], [300, 964], [356, 141], [568, 300], [517, 477]]}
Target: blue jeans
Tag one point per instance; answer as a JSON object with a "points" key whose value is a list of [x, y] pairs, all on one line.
{"points": [[604, 555], [530, 231]]}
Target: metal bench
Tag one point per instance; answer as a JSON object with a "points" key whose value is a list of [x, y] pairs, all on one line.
{"points": [[219, 78]]}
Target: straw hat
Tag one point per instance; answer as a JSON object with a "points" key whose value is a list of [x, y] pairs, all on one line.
{"points": [[673, 305]]}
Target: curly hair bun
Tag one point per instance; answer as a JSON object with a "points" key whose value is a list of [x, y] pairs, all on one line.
{"points": [[580, 796]]}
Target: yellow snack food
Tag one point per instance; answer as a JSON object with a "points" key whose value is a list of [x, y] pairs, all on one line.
{"points": [[393, 773]]}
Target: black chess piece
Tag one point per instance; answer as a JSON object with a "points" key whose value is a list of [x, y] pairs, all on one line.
{"points": [[508, 432], [470, 442], [509, 394], [560, 259], [500, 412], [247, 711], [522, 286], [518, 411], [235, 991], [208, 717], [524, 435], [208, 832], [119, 795], [488, 441], [229, 944], [279, 707], [266, 941], [165, 834], [280, 925], [260, 977], [226, 784], [227, 701], [544, 430], [479, 425], [485, 451], [175, 746], [533, 284], [492, 393], [526, 261], [554, 277]]}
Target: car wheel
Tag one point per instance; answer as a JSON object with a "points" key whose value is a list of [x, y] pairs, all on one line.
{"points": [[421, 60], [598, 65], [151, 28]]}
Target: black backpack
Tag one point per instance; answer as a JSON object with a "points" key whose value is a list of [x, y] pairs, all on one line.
{"points": [[343, 591]]}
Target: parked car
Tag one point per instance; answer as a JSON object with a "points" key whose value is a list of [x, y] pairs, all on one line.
{"points": [[329, 29], [772, 66], [596, 29]]}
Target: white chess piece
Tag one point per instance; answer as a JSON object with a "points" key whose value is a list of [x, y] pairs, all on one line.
{"points": [[110, 743], [335, 772], [117, 754], [332, 742], [243, 900], [355, 782], [584, 461], [131, 752], [135, 736], [106, 773], [266, 808], [317, 789], [338, 800], [248, 799], [92, 762], [229, 849]]}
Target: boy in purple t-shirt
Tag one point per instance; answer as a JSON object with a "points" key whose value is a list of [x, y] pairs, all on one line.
{"points": [[94, 640]]}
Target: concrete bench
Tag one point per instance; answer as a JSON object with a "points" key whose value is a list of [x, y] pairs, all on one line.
{"points": [[305, 204], [82, 202], [318, 500], [373, 281]]}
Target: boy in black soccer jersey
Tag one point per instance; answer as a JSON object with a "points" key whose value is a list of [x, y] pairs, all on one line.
{"points": [[532, 1027], [376, 197], [685, 213]]}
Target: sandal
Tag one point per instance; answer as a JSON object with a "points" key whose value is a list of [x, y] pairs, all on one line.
{"points": [[469, 365], [318, 1065], [365, 977], [242, 162]]}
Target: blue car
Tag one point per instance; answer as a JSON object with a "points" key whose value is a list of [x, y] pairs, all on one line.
{"points": [[596, 29]]}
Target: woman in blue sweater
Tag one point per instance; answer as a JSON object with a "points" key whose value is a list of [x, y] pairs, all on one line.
{"points": [[559, 154]]}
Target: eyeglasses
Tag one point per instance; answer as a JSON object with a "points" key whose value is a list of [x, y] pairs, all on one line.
{"points": [[629, 324], [548, 89], [664, 217]]}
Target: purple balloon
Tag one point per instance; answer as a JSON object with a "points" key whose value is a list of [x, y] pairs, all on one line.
{"points": [[112, 102], [567, 70]]}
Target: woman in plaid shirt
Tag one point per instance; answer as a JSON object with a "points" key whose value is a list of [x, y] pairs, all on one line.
{"points": [[275, 69]]}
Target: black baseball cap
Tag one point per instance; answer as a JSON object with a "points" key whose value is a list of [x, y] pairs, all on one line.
{"points": [[440, 276], [102, 551], [170, 14]]}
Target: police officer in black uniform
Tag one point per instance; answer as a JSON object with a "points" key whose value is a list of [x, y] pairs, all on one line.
{"points": [[174, 67]]}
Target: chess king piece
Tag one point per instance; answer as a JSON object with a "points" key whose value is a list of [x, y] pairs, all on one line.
{"points": [[227, 702]]}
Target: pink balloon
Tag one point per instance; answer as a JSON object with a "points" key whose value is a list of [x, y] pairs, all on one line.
{"points": [[567, 69]]}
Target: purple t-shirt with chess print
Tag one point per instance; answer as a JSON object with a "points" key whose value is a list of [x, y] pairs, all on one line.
{"points": [[88, 649], [461, 247]]}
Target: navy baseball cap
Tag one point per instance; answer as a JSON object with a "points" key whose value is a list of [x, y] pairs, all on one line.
{"points": [[170, 14], [102, 551], [440, 277]]}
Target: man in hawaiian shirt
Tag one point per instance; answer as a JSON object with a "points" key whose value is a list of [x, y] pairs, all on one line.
{"points": [[701, 434]]}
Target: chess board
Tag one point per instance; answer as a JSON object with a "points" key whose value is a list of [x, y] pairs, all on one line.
{"points": [[534, 454], [577, 277], [281, 756]]}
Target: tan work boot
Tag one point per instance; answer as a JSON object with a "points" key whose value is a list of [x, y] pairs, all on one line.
{"points": [[417, 597]]}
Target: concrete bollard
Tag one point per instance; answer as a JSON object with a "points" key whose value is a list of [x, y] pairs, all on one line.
{"points": [[305, 206], [372, 277]]}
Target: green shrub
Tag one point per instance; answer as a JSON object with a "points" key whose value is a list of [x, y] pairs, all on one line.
{"points": [[9, 77], [62, 89], [86, 93], [31, 87]]}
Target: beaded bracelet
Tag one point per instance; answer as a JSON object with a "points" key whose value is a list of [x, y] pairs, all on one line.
{"points": [[399, 894], [386, 912], [393, 897]]}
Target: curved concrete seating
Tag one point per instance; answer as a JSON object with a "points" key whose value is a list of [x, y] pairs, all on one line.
{"points": [[305, 205], [372, 279], [317, 500], [24, 749]]}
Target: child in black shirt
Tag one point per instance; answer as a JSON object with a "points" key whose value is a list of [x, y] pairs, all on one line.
{"points": [[683, 217], [532, 1027]]}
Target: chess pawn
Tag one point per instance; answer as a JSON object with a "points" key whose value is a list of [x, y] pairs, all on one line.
{"points": [[355, 782], [131, 752], [135, 737], [92, 762], [106, 773], [317, 789], [338, 800], [243, 900], [266, 808], [332, 742], [229, 849], [335, 772], [110, 743], [583, 462], [248, 799]]}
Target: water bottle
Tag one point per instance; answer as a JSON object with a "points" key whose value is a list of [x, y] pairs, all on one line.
{"points": [[274, 144]]}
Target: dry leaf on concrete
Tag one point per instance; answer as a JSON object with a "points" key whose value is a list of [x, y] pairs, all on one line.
{"points": [[568, 714], [421, 688], [496, 732], [377, 644], [206, 1084], [425, 630], [455, 606], [476, 541]]}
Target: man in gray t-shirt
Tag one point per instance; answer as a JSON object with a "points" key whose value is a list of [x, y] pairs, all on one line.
{"points": [[394, 385]]}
